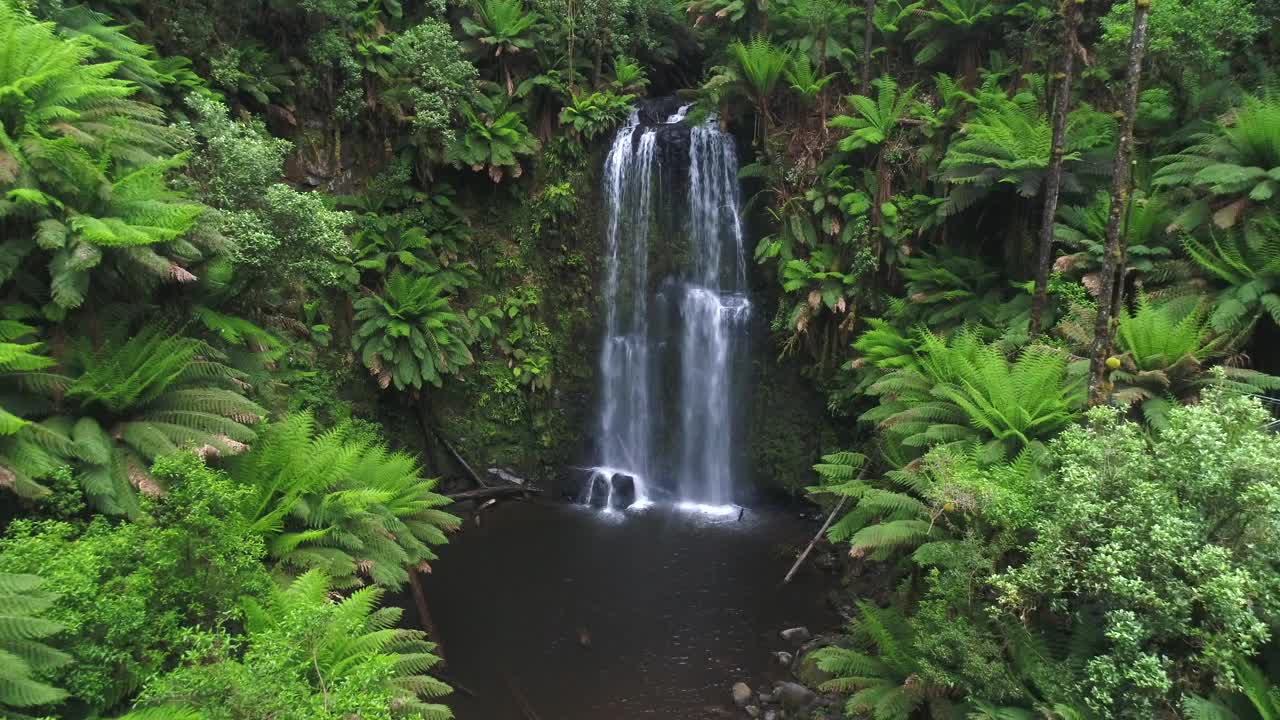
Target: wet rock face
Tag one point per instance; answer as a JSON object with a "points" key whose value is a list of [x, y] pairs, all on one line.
{"points": [[655, 111], [598, 492], [624, 491], [794, 696]]}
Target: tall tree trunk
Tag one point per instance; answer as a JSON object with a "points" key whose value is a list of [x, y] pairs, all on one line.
{"points": [[1053, 184], [1114, 250], [867, 38]]}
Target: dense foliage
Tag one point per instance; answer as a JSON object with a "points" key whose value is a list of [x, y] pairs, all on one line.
{"points": [[255, 256]]}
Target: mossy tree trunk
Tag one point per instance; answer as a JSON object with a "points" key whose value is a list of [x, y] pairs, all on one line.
{"points": [[1053, 184], [1112, 279], [867, 38]]}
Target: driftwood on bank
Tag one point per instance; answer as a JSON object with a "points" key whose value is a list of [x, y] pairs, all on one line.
{"points": [[808, 549], [494, 491], [821, 531]]}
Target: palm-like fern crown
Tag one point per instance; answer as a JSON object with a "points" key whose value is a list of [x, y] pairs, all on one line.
{"points": [[502, 26], [1167, 350], [1147, 240], [948, 289], [341, 502], [123, 405], [1231, 168], [1247, 260], [950, 23], [24, 653], [881, 520], [352, 634], [803, 77], [409, 334], [1158, 336], [761, 64], [876, 119], [963, 390], [83, 161], [1009, 141], [882, 678]]}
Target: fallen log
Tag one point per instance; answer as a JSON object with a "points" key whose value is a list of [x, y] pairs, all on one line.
{"points": [[458, 456], [495, 491], [818, 536]]}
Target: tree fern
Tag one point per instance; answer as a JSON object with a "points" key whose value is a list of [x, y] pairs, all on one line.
{"points": [[24, 653], [875, 119], [352, 633], [1168, 351], [762, 65], [408, 335], [882, 675], [340, 501], [960, 389], [1233, 169], [83, 164], [122, 405], [1149, 246], [1007, 144], [1247, 261]]}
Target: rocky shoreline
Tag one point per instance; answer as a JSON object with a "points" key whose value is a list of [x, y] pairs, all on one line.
{"points": [[796, 696]]}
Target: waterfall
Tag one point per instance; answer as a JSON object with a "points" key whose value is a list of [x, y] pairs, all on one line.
{"points": [[641, 453], [714, 311]]}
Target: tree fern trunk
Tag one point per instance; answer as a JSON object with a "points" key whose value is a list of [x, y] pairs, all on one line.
{"points": [[1053, 184], [1114, 251]]}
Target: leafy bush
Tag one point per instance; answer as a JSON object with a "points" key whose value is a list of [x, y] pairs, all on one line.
{"points": [[272, 229], [1174, 542], [126, 591], [442, 79]]}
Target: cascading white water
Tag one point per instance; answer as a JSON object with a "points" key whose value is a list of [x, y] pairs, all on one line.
{"points": [[714, 311], [626, 429], [713, 308]]}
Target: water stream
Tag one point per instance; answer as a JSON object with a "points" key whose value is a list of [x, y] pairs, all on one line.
{"points": [[689, 215]]}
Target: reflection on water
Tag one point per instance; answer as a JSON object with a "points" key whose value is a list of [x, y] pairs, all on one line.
{"points": [[585, 616]]}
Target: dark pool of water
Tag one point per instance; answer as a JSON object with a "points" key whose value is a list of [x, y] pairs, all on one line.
{"points": [[674, 607]]}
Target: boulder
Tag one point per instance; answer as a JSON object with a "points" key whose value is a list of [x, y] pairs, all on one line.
{"points": [[741, 694], [794, 695], [752, 711], [624, 491], [770, 714], [597, 493], [784, 658], [797, 635]]}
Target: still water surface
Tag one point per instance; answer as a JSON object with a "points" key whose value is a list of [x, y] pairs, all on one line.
{"points": [[576, 615]]}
